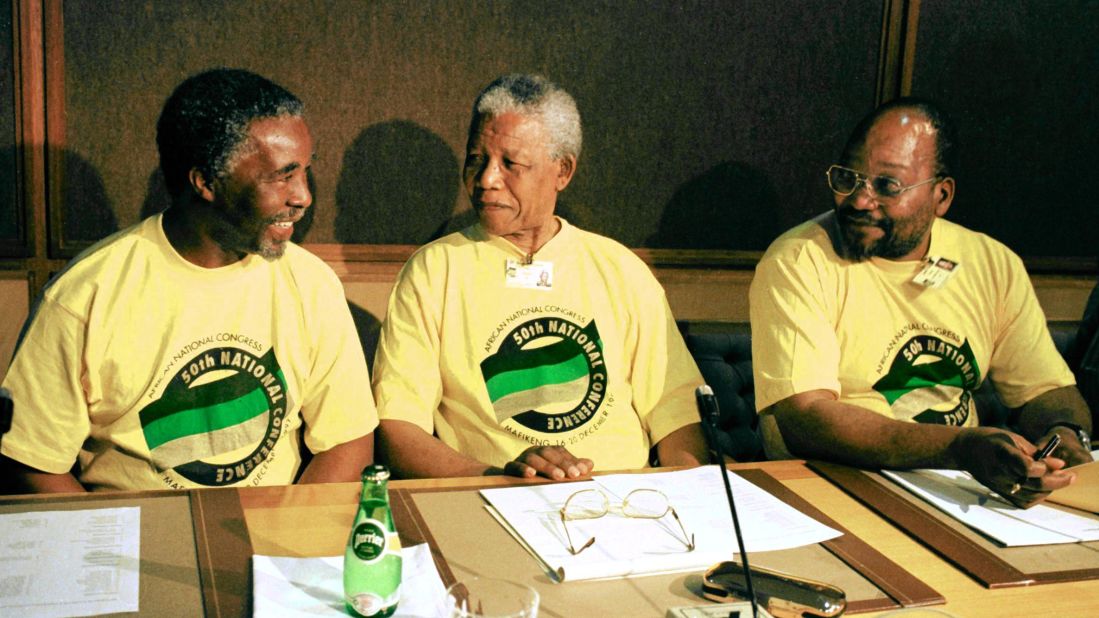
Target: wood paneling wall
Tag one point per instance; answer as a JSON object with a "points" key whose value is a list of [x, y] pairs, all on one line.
{"points": [[708, 122]]}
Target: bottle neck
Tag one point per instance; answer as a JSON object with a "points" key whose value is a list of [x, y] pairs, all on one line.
{"points": [[374, 490]]}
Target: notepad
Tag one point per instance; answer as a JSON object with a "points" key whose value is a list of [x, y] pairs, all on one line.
{"points": [[1083, 494]]}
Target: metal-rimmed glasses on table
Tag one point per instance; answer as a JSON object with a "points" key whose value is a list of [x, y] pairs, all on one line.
{"points": [[639, 504], [845, 181]]}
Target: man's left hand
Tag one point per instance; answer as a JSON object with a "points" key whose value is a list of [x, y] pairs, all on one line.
{"points": [[553, 462]]}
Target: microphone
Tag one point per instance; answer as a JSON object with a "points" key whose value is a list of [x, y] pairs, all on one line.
{"points": [[794, 595], [709, 413]]}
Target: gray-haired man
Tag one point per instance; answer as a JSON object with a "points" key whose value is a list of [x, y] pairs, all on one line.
{"points": [[523, 344]]}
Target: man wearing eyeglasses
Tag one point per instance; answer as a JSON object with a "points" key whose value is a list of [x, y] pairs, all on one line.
{"points": [[874, 323]]}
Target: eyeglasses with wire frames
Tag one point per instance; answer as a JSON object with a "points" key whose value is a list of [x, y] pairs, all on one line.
{"points": [[638, 504], [845, 181]]}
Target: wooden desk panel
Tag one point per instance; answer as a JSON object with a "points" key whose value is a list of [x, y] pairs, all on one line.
{"points": [[314, 520], [965, 597]]}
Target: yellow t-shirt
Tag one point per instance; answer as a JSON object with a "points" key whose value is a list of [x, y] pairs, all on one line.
{"points": [[578, 349], [156, 373], [867, 332]]}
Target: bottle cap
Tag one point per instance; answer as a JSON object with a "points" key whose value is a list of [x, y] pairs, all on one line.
{"points": [[376, 472]]}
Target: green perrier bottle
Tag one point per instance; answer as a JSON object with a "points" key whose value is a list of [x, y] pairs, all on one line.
{"points": [[372, 560]]}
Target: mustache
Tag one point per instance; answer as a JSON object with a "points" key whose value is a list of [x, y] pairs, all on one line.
{"points": [[292, 218], [853, 216]]}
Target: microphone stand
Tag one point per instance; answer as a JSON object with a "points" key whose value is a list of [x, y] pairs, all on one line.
{"points": [[709, 414]]}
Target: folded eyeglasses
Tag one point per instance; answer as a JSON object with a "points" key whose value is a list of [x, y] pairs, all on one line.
{"points": [[639, 504]]}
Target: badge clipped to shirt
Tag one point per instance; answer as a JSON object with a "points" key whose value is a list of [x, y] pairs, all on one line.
{"points": [[936, 272], [533, 276]]}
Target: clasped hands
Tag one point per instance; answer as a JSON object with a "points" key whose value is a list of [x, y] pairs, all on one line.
{"points": [[1004, 462]]}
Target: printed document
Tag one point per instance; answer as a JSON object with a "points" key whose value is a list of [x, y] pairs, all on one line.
{"points": [[626, 546], [69, 563], [959, 495]]}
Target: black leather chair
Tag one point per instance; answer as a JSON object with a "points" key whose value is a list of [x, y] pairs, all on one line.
{"points": [[1083, 355], [725, 360]]}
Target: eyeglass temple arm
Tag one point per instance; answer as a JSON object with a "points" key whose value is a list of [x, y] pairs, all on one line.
{"points": [[590, 542], [690, 536], [572, 548]]}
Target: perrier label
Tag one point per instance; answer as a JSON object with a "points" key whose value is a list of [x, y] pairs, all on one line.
{"points": [[372, 559]]}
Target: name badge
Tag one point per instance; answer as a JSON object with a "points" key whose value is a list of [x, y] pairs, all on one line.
{"points": [[533, 276], [936, 272]]}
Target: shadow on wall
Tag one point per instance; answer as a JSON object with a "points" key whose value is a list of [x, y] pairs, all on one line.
{"points": [[157, 200], [731, 206], [87, 214], [398, 185]]}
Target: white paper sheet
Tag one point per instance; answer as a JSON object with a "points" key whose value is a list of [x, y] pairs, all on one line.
{"points": [[626, 546], [959, 495], [70, 563], [284, 586]]}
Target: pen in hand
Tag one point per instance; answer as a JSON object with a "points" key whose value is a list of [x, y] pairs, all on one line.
{"points": [[1047, 450]]}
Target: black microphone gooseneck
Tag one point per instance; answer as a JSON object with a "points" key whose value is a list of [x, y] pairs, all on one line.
{"points": [[709, 414]]}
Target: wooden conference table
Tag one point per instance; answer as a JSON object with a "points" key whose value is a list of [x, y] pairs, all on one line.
{"points": [[313, 520]]}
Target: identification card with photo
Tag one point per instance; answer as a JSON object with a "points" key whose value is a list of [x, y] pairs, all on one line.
{"points": [[936, 272], [534, 276]]}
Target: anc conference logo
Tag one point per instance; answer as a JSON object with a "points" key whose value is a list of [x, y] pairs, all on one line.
{"points": [[223, 400], [930, 381], [548, 375]]}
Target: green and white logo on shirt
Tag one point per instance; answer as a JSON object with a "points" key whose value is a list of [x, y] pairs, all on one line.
{"points": [[548, 375], [221, 400], [931, 381]]}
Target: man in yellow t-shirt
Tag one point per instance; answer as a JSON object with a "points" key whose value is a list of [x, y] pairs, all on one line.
{"points": [[873, 324], [200, 347], [523, 344]]}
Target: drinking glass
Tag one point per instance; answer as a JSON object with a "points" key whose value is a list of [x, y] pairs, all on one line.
{"points": [[486, 597]]}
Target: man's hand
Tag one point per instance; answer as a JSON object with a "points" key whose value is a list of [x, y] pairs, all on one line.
{"points": [[553, 462], [1070, 451], [1004, 462]]}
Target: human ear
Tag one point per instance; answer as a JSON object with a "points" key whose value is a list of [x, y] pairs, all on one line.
{"points": [[944, 195], [202, 187], [566, 167]]}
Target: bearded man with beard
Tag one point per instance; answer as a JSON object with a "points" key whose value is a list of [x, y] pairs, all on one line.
{"points": [[200, 347], [873, 324]]}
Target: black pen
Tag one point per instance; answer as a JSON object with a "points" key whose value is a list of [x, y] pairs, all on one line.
{"points": [[1047, 450]]}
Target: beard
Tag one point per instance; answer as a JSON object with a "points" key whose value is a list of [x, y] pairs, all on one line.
{"points": [[240, 229], [895, 241]]}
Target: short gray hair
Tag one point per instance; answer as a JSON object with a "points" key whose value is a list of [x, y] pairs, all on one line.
{"points": [[534, 96]]}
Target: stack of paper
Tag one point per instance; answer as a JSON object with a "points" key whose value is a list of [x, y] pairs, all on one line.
{"points": [[627, 546], [957, 494]]}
